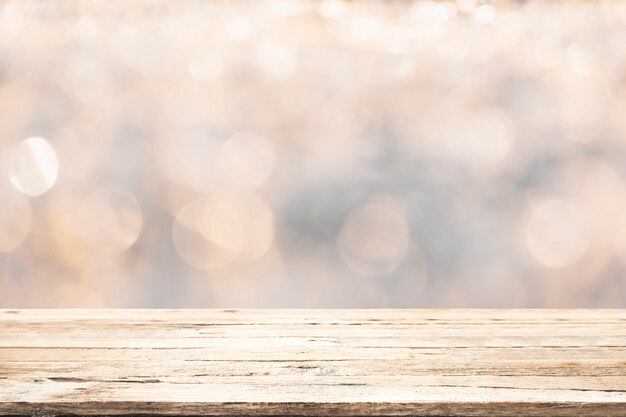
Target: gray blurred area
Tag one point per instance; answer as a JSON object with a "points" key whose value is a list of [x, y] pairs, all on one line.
{"points": [[314, 154]]}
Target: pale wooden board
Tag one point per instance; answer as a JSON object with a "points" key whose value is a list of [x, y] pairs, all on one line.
{"points": [[313, 362]]}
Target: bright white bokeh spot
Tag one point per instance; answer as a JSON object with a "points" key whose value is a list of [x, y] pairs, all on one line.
{"points": [[374, 239], [247, 159], [556, 234], [110, 219], [485, 13], [33, 166]]}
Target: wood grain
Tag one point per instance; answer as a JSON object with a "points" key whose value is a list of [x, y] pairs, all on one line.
{"points": [[313, 362]]}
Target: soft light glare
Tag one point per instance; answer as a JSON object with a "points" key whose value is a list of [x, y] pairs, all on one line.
{"points": [[213, 232], [333, 9], [186, 157], [110, 219], [277, 61], [191, 243], [485, 13], [556, 234], [484, 137], [489, 135], [581, 59], [247, 159], [374, 239], [15, 218], [239, 29], [620, 239], [548, 52], [34, 166], [246, 136], [205, 67]]}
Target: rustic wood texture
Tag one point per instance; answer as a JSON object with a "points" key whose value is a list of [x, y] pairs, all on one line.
{"points": [[313, 362]]}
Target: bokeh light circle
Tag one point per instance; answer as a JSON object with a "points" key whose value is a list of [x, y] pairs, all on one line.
{"points": [[247, 159], [556, 234], [34, 166], [374, 239], [213, 232], [110, 219]]}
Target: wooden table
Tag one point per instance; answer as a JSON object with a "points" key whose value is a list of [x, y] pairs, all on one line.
{"points": [[313, 362]]}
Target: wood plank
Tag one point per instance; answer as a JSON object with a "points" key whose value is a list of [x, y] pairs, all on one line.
{"points": [[313, 362]]}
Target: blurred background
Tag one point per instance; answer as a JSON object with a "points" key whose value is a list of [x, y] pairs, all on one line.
{"points": [[327, 153]]}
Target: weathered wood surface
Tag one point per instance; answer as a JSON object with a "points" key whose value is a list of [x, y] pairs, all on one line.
{"points": [[313, 362]]}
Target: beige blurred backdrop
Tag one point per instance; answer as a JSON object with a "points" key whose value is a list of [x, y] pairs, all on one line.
{"points": [[328, 153]]}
